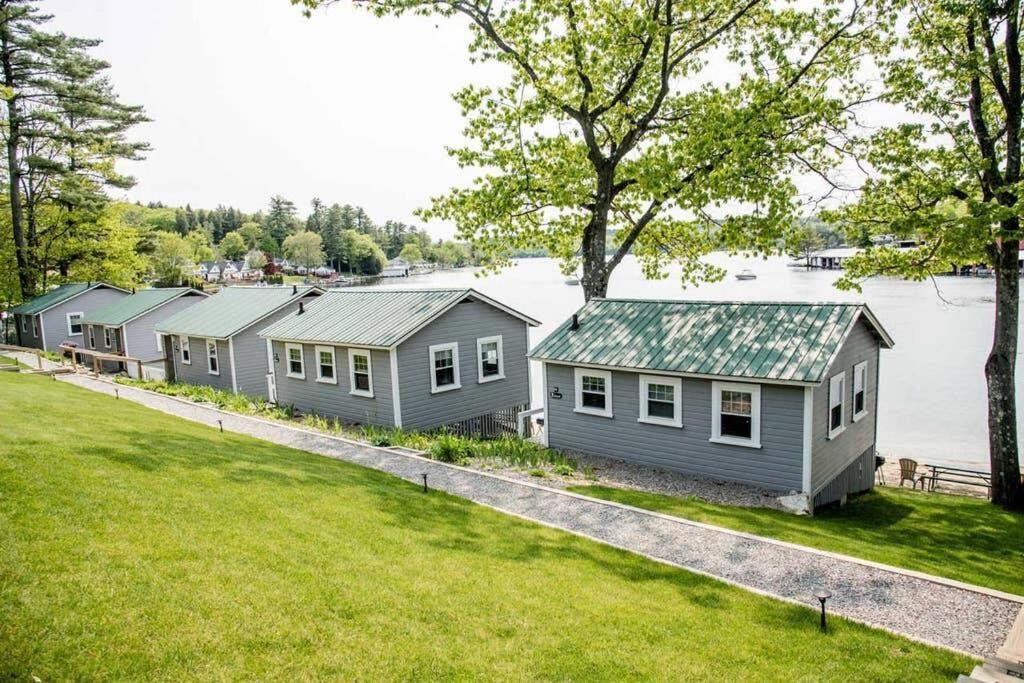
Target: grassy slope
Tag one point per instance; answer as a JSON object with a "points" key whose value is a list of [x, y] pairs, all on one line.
{"points": [[136, 545], [953, 536]]}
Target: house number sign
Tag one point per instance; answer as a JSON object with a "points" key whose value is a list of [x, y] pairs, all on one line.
{"points": [[555, 393]]}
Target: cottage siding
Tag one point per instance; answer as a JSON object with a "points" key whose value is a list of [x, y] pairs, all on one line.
{"points": [[464, 323], [55, 321], [140, 337], [778, 464], [251, 351], [197, 373], [334, 400], [858, 476], [26, 338], [830, 457]]}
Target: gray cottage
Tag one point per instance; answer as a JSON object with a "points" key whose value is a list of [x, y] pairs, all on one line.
{"points": [[51, 319], [407, 358], [776, 395], [215, 342], [128, 325]]}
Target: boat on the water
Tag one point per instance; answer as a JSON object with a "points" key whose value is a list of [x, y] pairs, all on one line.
{"points": [[746, 274], [572, 280]]}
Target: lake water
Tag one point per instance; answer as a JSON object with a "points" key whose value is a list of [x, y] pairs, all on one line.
{"points": [[932, 384]]}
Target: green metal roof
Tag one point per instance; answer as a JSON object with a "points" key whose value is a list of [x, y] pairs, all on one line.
{"points": [[231, 310], [131, 307], [379, 317], [778, 341], [57, 296]]}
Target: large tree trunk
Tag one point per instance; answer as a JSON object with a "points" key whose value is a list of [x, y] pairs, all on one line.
{"points": [[14, 177], [1000, 373]]}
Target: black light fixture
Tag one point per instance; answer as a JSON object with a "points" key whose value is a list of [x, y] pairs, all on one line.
{"points": [[221, 423], [822, 596], [424, 482], [117, 394]]}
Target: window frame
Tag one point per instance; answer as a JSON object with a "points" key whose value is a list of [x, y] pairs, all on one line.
{"points": [[677, 401], [106, 338], [433, 351], [24, 323], [755, 414], [320, 378], [185, 349], [91, 337], [215, 357], [35, 326], [288, 361], [606, 375], [860, 370], [352, 353], [81, 326], [480, 361], [840, 380]]}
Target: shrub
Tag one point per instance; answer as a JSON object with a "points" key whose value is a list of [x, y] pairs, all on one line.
{"points": [[378, 436], [537, 472], [565, 469], [448, 448]]}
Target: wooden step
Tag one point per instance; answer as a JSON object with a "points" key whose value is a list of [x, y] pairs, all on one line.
{"points": [[1012, 651]]}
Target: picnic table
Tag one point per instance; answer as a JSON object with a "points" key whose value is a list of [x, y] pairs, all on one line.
{"points": [[956, 475]]}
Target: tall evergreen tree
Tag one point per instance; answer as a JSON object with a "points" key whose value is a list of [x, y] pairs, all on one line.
{"points": [[280, 221]]}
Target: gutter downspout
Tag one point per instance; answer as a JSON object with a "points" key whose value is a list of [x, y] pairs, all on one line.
{"points": [[808, 450]]}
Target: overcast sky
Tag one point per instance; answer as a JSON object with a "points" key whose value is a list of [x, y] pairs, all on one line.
{"points": [[249, 99]]}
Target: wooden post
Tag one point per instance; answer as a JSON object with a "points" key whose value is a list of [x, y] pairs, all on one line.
{"points": [[96, 365], [39, 358], [140, 369]]}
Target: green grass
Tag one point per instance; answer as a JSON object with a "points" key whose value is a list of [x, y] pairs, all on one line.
{"points": [[957, 537], [134, 545]]}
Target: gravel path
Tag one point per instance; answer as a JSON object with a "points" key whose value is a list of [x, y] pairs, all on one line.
{"points": [[949, 615]]}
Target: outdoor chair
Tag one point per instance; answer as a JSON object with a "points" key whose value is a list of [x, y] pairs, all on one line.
{"points": [[908, 472]]}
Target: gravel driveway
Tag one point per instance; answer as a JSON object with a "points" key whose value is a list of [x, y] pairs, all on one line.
{"points": [[949, 615]]}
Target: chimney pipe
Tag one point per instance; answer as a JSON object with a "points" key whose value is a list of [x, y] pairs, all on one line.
{"points": [[301, 309], [575, 322]]}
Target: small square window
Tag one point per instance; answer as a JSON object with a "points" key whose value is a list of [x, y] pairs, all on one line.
{"points": [[326, 372], [490, 363], [593, 392], [75, 324], [736, 414], [444, 361], [293, 354]]}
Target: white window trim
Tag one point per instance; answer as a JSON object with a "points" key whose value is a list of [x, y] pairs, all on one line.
{"points": [[454, 348], [677, 405], [80, 314], [159, 342], [216, 355], [288, 361], [480, 361], [352, 353], [186, 348], [24, 323], [317, 350], [861, 370], [755, 414], [578, 375], [35, 326], [106, 337], [833, 381], [92, 336]]}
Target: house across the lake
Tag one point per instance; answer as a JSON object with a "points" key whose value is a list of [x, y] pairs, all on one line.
{"points": [[396, 267], [215, 342], [51, 319], [407, 358], [777, 395], [128, 325]]}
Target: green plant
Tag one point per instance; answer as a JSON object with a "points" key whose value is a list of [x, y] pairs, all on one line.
{"points": [[448, 448], [565, 469], [537, 472], [379, 436]]}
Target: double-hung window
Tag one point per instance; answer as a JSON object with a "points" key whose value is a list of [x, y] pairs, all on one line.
{"points": [[326, 368], [860, 390], [293, 356], [92, 336], [736, 414], [661, 400], [106, 337], [212, 361], [186, 350], [75, 324], [444, 367], [35, 326], [24, 324], [836, 405], [490, 363], [593, 392], [360, 373]]}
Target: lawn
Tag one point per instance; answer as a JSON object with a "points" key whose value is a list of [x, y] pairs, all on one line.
{"points": [[134, 545], [957, 537]]}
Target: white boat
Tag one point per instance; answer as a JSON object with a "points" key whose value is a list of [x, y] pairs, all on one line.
{"points": [[572, 280], [746, 274]]}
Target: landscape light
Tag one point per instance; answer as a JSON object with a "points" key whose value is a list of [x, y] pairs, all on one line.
{"points": [[424, 482], [822, 596]]}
